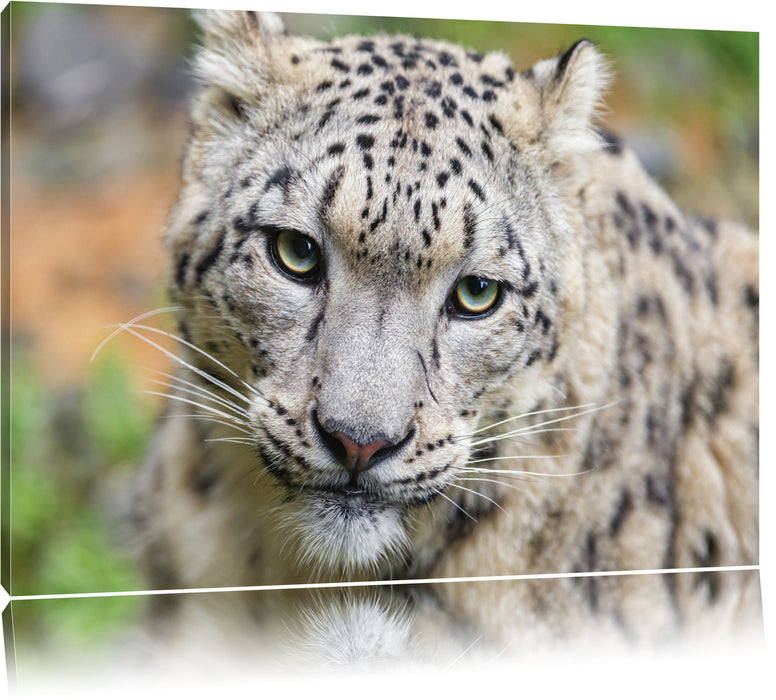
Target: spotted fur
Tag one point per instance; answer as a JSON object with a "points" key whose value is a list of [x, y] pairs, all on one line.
{"points": [[411, 164]]}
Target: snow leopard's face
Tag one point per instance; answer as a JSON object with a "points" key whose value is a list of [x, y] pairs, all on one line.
{"points": [[367, 242]]}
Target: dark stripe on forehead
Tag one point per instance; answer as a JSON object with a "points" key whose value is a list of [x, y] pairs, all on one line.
{"points": [[469, 226], [333, 183]]}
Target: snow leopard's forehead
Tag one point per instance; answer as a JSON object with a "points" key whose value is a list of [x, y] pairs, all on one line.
{"points": [[392, 146]]}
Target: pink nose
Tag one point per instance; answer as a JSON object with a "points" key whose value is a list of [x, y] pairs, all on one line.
{"points": [[358, 456]]}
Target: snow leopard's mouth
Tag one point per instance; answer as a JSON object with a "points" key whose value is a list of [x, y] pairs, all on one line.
{"points": [[346, 491], [371, 497]]}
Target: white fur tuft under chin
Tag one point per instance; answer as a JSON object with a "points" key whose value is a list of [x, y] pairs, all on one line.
{"points": [[346, 534], [353, 629]]}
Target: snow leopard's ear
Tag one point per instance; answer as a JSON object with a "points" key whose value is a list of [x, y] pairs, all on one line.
{"points": [[237, 55], [567, 91]]}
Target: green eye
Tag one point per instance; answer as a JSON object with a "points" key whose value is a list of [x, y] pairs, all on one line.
{"points": [[474, 296], [296, 254]]}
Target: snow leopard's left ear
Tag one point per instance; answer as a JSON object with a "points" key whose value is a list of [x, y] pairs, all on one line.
{"points": [[562, 95], [237, 55]]}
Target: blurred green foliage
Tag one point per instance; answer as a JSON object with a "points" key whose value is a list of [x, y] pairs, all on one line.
{"points": [[70, 450]]}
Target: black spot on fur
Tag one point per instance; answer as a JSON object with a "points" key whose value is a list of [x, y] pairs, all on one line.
{"points": [[591, 564], [398, 107], [624, 506], [542, 319], [475, 187], [631, 224], [721, 387], [330, 190], [246, 223], [535, 355], [650, 219], [469, 226], [752, 299], [448, 106], [312, 332], [708, 558], [210, 259], [181, 266], [282, 178], [711, 288], [496, 124], [682, 272], [464, 147], [365, 141], [659, 490], [434, 89]]}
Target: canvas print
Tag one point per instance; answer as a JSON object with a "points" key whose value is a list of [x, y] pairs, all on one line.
{"points": [[406, 306]]}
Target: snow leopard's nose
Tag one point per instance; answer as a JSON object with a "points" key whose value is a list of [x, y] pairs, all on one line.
{"points": [[358, 454]]}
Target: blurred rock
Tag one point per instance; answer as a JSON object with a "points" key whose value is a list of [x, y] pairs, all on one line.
{"points": [[95, 90], [73, 68]]}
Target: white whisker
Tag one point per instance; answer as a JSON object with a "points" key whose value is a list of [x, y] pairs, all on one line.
{"points": [[523, 431], [118, 330], [204, 354], [237, 441], [498, 459], [492, 481], [523, 473], [463, 653], [463, 510], [481, 495], [525, 415], [205, 396], [193, 403], [176, 378], [210, 419], [194, 369]]}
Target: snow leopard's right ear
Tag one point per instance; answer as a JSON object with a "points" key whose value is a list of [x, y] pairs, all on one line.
{"points": [[557, 99], [237, 55]]}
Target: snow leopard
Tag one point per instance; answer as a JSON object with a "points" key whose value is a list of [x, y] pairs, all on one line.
{"points": [[434, 322]]}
